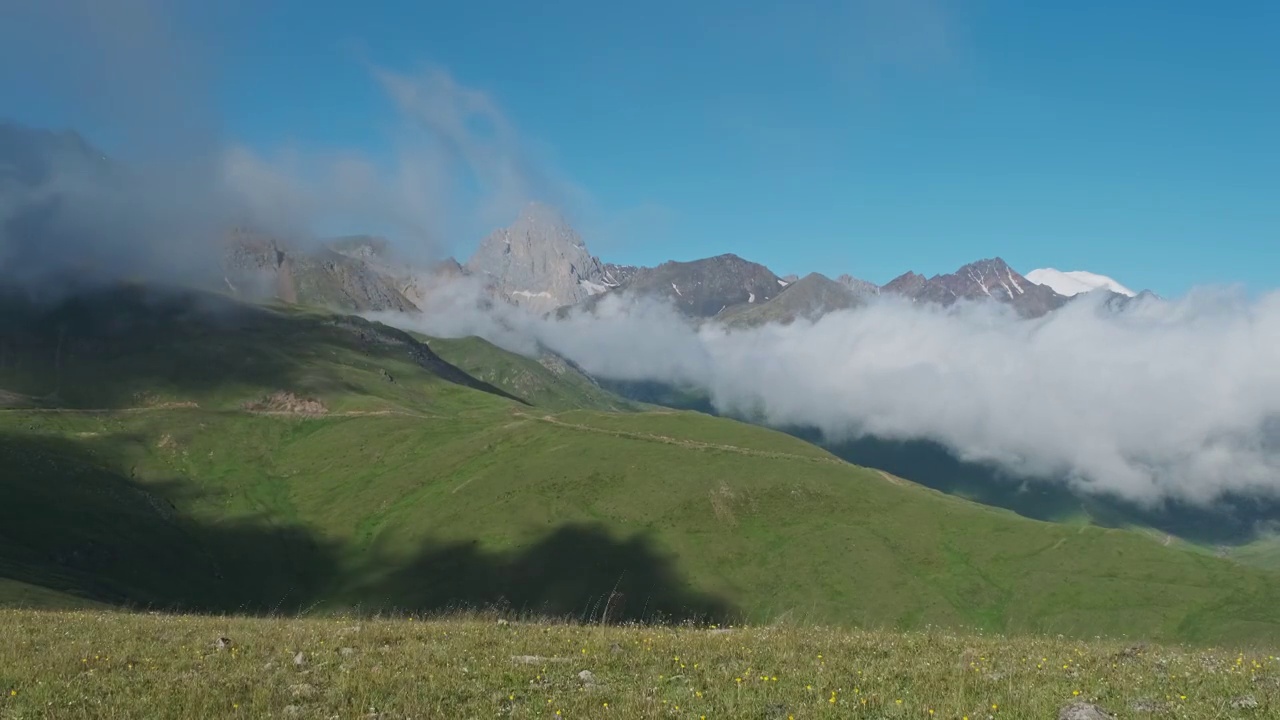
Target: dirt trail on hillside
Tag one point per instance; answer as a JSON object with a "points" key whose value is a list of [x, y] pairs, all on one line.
{"points": [[890, 478], [691, 444]]}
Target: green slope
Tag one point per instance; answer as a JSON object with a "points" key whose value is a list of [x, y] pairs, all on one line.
{"points": [[433, 489], [548, 381]]}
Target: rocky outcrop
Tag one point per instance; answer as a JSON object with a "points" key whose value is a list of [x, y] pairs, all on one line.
{"points": [[540, 262], [259, 267], [707, 287]]}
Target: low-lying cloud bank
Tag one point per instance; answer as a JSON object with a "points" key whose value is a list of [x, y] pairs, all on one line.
{"points": [[1168, 400]]}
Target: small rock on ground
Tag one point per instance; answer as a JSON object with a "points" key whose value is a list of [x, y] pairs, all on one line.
{"points": [[1147, 705], [1244, 702], [536, 659], [302, 690], [1084, 711]]}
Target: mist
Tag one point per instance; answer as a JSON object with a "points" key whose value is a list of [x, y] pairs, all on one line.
{"points": [[456, 168], [72, 212], [1166, 400], [142, 182]]}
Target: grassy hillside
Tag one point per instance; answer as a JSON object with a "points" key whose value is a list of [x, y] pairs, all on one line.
{"points": [[93, 665], [251, 460], [548, 382]]}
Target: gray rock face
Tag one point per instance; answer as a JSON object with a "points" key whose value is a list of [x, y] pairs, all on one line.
{"points": [[990, 279], [540, 262], [860, 287], [809, 298], [619, 275], [1084, 711], [707, 287], [258, 266]]}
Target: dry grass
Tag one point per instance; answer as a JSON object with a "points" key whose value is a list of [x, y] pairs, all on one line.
{"points": [[114, 665]]}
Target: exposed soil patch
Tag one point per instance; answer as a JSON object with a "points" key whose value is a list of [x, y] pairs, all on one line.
{"points": [[286, 403]]}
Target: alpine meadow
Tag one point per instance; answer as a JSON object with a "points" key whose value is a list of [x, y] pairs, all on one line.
{"points": [[316, 400]]}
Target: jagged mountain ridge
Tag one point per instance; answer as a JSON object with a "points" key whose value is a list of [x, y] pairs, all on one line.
{"points": [[991, 278], [704, 288], [259, 266], [539, 262], [808, 298]]}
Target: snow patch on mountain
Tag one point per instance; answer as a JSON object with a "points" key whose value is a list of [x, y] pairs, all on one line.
{"points": [[1075, 282]]}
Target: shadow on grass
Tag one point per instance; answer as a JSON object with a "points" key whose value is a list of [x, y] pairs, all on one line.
{"points": [[72, 521], [75, 520], [578, 572], [111, 346]]}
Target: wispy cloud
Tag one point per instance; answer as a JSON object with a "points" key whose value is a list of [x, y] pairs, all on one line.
{"points": [[458, 168]]}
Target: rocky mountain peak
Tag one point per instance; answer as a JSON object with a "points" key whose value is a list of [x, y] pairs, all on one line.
{"points": [[705, 288], [988, 279], [858, 285], [539, 261]]}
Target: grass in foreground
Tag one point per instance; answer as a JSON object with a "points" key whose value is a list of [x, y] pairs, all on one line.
{"points": [[96, 664]]}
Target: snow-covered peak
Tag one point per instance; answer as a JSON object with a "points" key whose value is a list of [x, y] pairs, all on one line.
{"points": [[1075, 282]]}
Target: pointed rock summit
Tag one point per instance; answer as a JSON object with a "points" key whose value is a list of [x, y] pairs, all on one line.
{"points": [[540, 262], [991, 279]]}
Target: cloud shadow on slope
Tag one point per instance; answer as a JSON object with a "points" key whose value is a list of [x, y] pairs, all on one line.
{"points": [[577, 571], [75, 520], [109, 346]]}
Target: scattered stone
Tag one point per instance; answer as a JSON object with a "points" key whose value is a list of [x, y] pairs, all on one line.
{"points": [[300, 659], [615, 648], [271, 665], [302, 690], [346, 651], [1134, 650], [536, 659], [502, 622], [223, 643], [1084, 711], [291, 710], [587, 678], [286, 403], [1147, 705], [775, 711], [1244, 702]]}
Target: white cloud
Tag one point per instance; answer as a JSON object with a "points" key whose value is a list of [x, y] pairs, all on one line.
{"points": [[1168, 400]]}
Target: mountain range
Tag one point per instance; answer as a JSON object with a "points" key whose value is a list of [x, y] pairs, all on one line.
{"points": [[542, 264]]}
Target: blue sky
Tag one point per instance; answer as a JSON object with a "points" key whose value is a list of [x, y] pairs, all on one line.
{"points": [[1137, 139]]}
